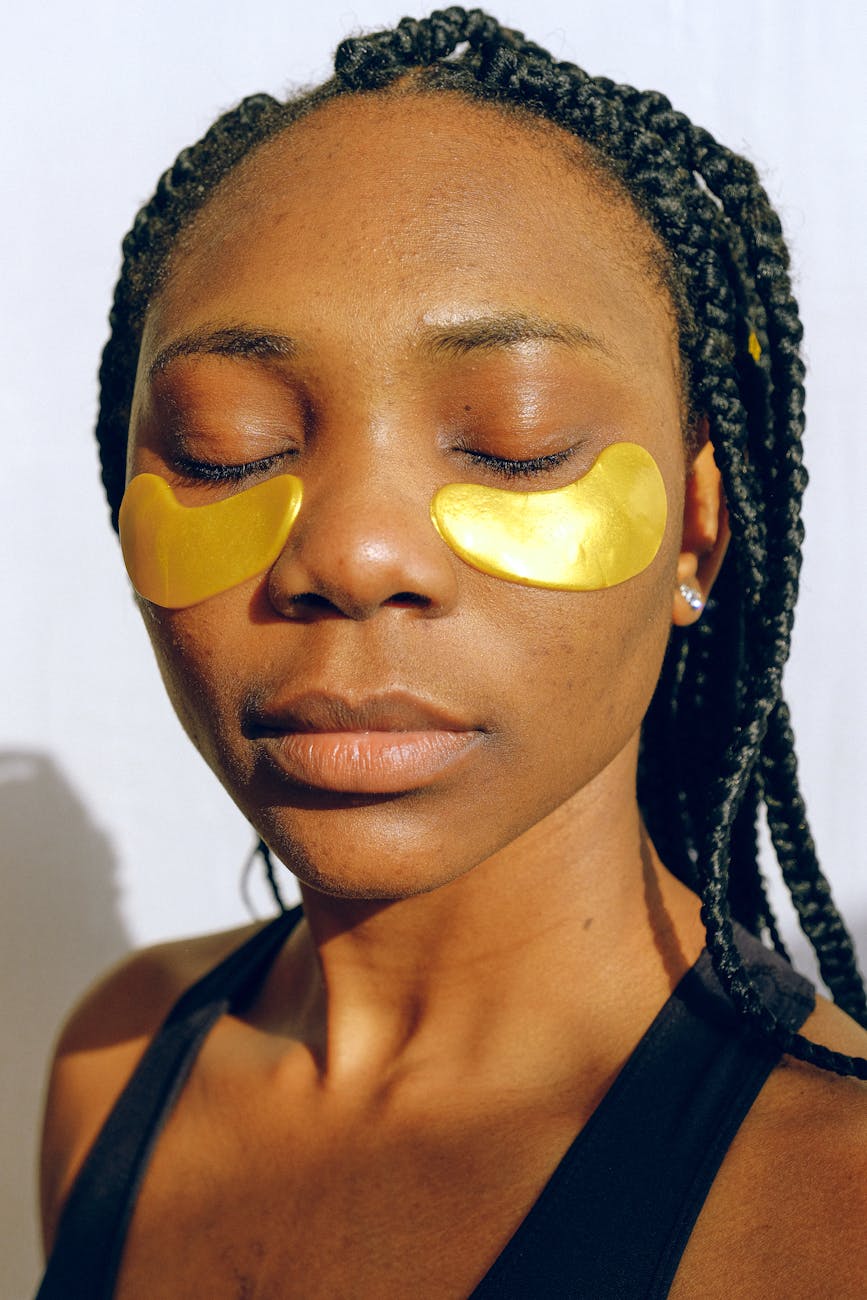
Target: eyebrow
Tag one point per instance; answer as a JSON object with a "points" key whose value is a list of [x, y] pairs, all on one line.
{"points": [[227, 341], [479, 333], [504, 329]]}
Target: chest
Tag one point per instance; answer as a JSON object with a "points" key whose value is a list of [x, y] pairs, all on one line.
{"points": [[284, 1200], [258, 1189]]}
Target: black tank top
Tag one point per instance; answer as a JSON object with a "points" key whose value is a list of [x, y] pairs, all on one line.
{"points": [[613, 1219]]}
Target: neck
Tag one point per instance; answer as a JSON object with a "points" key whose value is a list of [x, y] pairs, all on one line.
{"points": [[577, 922]]}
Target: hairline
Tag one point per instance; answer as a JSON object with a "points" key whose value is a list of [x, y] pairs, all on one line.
{"points": [[651, 255]]}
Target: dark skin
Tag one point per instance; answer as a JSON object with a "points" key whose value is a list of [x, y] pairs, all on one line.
{"points": [[513, 899]]}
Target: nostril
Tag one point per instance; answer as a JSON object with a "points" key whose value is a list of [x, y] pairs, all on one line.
{"points": [[312, 600], [313, 604], [409, 598]]}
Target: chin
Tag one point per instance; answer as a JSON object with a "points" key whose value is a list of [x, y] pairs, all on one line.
{"points": [[373, 883], [363, 866]]}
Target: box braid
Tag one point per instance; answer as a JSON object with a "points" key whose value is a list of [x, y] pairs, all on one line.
{"points": [[717, 742]]}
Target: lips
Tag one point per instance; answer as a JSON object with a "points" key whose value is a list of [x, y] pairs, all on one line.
{"points": [[387, 743]]}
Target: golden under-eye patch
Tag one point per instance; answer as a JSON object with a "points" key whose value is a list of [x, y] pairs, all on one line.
{"points": [[180, 555], [594, 533]]}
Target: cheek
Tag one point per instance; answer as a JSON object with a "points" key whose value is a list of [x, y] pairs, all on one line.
{"points": [[591, 665], [191, 649]]}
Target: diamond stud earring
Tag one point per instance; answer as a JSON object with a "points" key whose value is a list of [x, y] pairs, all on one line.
{"points": [[692, 596]]}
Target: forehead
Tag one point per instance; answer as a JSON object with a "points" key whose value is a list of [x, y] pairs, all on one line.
{"points": [[389, 212]]}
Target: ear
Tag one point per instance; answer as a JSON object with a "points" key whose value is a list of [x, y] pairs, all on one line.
{"points": [[706, 530]]}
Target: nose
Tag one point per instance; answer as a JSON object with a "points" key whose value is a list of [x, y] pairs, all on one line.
{"points": [[363, 541]]}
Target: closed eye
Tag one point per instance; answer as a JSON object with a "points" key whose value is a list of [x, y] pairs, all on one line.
{"points": [[503, 466], [507, 468], [212, 472]]}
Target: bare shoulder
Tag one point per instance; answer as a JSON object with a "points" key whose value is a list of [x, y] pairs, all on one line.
{"points": [[100, 1044], [786, 1215]]}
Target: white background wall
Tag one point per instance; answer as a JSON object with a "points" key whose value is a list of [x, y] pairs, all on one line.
{"points": [[113, 832]]}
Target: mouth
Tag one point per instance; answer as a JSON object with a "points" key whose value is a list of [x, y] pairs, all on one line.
{"points": [[385, 744]]}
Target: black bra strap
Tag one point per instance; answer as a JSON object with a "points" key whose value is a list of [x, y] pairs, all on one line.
{"points": [[614, 1219], [92, 1229]]}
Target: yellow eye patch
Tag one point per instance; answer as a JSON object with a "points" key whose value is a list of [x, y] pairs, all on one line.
{"points": [[594, 533], [179, 555]]}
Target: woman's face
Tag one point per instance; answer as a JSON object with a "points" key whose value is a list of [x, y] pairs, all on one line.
{"points": [[387, 299]]}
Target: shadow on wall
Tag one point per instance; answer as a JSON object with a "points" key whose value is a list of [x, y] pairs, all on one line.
{"points": [[59, 928]]}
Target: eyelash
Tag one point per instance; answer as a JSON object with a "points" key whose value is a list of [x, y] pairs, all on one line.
{"points": [[209, 472], [506, 468]]}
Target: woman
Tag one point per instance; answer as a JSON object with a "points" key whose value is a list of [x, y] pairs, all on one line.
{"points": [[435, 399]]}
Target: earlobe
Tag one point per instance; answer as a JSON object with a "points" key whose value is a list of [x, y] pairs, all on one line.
{"points": [[706, 534]]}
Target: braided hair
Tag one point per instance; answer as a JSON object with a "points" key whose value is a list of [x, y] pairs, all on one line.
{"points": [[717, 744]]}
